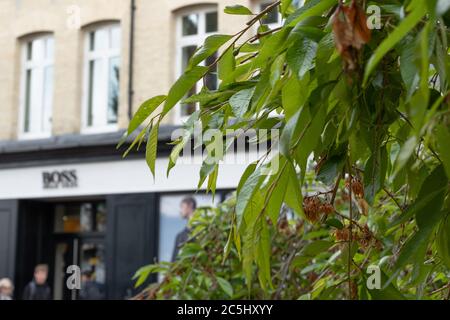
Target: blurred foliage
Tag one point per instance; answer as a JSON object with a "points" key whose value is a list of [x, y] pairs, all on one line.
{"points": [[368, 107]]}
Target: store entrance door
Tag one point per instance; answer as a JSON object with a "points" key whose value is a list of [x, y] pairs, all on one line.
{"points": [[86, 252], [79, 240], [66, 251]]}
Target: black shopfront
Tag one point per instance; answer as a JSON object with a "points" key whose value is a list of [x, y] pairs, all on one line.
{"points": [[110, 235]]}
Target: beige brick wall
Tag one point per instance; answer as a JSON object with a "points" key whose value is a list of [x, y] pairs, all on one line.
{"points": [[153, 59]]}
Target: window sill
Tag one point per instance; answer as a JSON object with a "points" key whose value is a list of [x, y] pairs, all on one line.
{"points": [[98, 130], [33, 136]]}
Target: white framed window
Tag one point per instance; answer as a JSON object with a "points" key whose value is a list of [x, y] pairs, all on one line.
{"points": [[274, 19], [192, 28], [36, 88], [101, 78]]}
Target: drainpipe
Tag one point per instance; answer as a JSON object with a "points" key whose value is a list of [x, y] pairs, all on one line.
{"points": [[131, 58]]}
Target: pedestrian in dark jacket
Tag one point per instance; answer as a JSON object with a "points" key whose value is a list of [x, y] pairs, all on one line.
{"points": [[187, 208], [38, 288], [90, 289]]}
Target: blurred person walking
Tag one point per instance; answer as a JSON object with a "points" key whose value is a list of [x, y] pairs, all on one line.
{"points": [[187, 207], [38, 288], [6, 289], [90, 289]]}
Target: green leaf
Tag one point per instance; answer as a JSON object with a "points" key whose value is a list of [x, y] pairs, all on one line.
{"points": [[143, 273], [316, 247], [144, 111], [408, 68], [405, 153], [417, 206], [390, 292], [185, 83], [248, 171], [294, 95], [238, 10], [271, 47], [263, 254], [211, 46], [136, 140], [288, 133], [413, 250], [240, 102], [206, 97], [276, 200], [285, 5], [300, 56], [311, 8], [399, 32], [294, 197], [225, 285], [427, 217], [152, 148], [329, 171], [431, 213], [247, 192], [375, 173], [311, 137], [250, 229], [443, 141], [333, 222], [183, 140], [226, 67], [443, 241]]}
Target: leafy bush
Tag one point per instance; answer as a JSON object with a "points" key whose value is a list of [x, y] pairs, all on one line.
{"points": [[370, 107]]}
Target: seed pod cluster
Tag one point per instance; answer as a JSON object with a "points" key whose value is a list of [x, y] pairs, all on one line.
{"points": [[315, 208], [342, 234], [364, 236], [357, 187]]}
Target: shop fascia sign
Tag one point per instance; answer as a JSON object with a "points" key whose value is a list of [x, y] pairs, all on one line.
{"points": [[63, 179]]}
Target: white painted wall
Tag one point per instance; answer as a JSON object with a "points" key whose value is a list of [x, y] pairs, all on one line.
{"points": [[114, 177]]}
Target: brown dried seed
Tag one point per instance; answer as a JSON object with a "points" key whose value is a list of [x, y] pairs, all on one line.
{"points": [[327, 208], [342, 234], [350, 33]]}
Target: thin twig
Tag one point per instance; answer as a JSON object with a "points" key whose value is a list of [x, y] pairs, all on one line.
{"points": [[335, 189], [350, 239], [393, 198]]}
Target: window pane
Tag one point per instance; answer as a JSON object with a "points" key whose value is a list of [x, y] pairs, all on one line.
{"points": [[35, 101], [211, 77], [92, 41], [67, 219], [99, 39], [272, 16], [190, 24], [100, 218], [48, 99], [90, 115], [38, 86], [113, 98], [49, 49], [92, 258], [86, 218], [80, 218], [27, 101], [115, 38], [211, 22], [29, 50], [103, 77], [187, 52]]}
